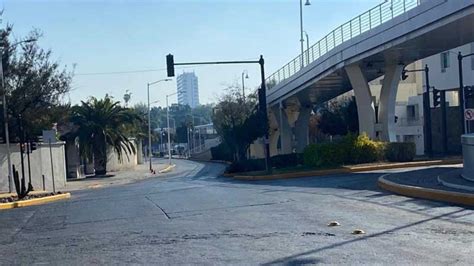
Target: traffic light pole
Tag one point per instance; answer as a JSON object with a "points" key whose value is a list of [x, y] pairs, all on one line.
{"points": [[427, 115], [462, 104], [262, 91], [444, 123], [426, 109]]}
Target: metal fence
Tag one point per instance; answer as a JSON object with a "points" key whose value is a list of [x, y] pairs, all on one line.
{"points": [[368, 20]]}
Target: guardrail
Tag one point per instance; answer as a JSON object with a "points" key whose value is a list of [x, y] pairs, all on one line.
{"points": [[367, 21]]}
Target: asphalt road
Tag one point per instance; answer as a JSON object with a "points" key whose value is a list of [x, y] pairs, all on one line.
{"points": [[192, 216]]}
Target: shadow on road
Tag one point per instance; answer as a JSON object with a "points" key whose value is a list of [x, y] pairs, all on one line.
{"points": [[293, 259]]}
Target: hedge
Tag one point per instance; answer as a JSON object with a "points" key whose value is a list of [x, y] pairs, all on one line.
{"points": [[222, 152], [353, 149], [400, 151]]}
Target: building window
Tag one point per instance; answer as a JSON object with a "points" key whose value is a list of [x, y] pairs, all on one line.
{"points": [[444, 61], [412, 113]]}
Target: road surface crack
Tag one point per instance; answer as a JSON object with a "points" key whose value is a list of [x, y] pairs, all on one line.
{"points": [[158, 206]]}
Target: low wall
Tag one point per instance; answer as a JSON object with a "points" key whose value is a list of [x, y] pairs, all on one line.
{"points": [[127, 160], [40, 165]]}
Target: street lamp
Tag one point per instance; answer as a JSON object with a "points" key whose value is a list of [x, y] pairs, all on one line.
{"points": [[168, 122], [149, 119], [301, 29], [5, 111], [307, 47], [243, 82]]}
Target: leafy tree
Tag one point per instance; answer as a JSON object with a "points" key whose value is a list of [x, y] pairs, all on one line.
{"points": [[34, 83], [339, 117], [238, 123], [102, 123]]}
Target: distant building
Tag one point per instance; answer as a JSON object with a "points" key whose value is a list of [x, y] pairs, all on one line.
{"points": [[188, 89]]}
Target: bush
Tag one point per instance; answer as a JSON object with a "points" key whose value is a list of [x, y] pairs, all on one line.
{"points": [[351, 149], [247, 166], [324, 155], [400, 151], [222, 152], [361, 149], [287, 160]]}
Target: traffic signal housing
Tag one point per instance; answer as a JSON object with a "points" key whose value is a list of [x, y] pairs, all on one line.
{"points": [[170, 65], [404, 74], [469, 92], [436, 97]]}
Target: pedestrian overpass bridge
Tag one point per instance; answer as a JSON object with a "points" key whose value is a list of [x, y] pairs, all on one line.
{"points": [[379, 42]]}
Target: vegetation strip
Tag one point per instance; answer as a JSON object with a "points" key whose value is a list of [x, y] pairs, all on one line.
{"points": [[352, 169], [426, 193], [32, 202]]}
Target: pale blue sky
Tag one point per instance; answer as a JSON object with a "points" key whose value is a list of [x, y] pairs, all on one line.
{"points": [[113, 36]]}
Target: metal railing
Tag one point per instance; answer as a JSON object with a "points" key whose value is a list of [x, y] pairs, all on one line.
{"points": [[367, 21]]}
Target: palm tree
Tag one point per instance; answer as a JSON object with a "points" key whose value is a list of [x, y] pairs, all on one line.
{"points": [[100, 124]]}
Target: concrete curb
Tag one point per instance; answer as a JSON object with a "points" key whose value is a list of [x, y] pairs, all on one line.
{"points": [[426, 193], [167, 169], [32, 202], [455, 186], [291, 175], [344, 170]]}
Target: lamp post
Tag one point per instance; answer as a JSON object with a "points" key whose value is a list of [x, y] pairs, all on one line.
{"points": [[307, 47], [5, 112], [168, 124], [149, 119], [301, 29], [462, 103], [246, 73]]}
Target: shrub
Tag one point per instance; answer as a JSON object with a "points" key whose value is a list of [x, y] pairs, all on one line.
{"points": [[222, 152], [400, 151], [287, 160], [365, 150], [323, 155], [351, 149], [247, 166]]}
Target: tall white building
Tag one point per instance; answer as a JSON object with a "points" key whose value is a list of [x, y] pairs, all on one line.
{"points": [[188, 89]]}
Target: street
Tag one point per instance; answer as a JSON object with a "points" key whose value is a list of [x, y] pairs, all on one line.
{"points": [[193, 216]]}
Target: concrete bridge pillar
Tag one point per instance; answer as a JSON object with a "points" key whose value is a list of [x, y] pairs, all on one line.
{"points": [[302, 128], [388, 96], [284, 129], [365, 104]]}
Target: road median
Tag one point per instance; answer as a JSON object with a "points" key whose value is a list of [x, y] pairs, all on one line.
{"points": [[342, 170], [167, 169], [427, 193], [33, 202]]}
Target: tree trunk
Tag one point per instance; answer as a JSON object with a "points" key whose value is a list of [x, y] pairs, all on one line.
{"points": [[100, 160]]}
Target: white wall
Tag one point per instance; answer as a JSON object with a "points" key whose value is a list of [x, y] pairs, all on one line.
{"points": [[450, 78], [40, 165], [128, 161], [411, 130]]}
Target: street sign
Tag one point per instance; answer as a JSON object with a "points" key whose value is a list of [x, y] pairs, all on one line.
{"points": [[469, 114]]}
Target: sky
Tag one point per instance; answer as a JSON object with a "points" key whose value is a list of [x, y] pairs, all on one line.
{"points": [[105, 38]]}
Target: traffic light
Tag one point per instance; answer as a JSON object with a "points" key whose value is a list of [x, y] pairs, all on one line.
{"points": [[33, 146], [404, 75], [170, 65], [469, 92], [436, 97]]}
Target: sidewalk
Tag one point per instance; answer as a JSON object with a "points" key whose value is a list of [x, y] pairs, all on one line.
{"points": [[140, 172]]}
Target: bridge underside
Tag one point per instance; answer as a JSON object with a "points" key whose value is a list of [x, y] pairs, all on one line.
{"points": [[355, 72]]}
